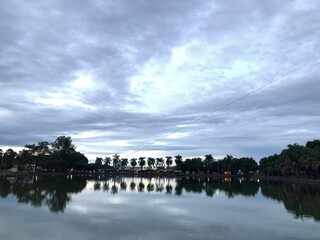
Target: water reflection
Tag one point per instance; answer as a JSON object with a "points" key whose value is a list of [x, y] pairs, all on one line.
{"points": [[55, 192], [301, 200]]}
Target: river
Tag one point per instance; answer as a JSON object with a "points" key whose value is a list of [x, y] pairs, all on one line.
{"points": [[69, 207]]}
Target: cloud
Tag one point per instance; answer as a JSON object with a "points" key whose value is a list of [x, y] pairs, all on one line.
{"points": [[118, 75]]}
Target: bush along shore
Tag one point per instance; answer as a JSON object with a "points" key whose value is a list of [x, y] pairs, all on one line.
{"points": [[60, 157]]}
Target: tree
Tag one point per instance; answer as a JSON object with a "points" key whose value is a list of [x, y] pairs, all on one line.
{"points": [[197, 164], [107, 161], [168, 161], [116, 160], [228, 160], [133, 162], [142, 162], [65, 157], [76, 160], [208, 161], [41, 153], [178, 161], [63, 144], [159, 162], [8, 158], [270, 165], [24, 157], [1, 156], [124, 162], [187, 165], [291, 157], [151, 162], [98, 162], [313, 144], [248, 164]]}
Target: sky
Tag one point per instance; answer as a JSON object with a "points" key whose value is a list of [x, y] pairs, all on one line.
{"points": [[118, 75]]}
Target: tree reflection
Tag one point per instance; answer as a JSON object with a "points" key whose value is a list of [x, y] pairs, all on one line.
{"points": [[132, 185], [301, 200], [150, 187], [141, 186], [53, 192], [106, 187], [168, 189], [123, 185], [114, 188], [97, 186], [210, 186]]}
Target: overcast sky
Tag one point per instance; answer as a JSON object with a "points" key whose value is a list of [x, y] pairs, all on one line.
{"points": [[117, 75]]}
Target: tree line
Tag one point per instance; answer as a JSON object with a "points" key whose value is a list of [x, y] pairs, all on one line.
{"points": [[295, 160], [61, 155]]}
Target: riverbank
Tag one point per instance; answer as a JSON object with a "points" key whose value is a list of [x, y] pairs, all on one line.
{"points": [[165, 174], [290, 179]]}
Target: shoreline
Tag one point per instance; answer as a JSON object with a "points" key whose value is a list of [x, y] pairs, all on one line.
{"points": [[169, 175]]}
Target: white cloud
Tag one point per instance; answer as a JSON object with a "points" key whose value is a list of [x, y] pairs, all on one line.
{"points": [[115, 86]]}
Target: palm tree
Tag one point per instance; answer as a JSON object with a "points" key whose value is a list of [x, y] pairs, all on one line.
{"points": [[115, 159], [151, 162], [107, 161], [168, 161], [178, 161], [142, 162], [159, 162], [133, 162], [296, 152], [124, 162]]}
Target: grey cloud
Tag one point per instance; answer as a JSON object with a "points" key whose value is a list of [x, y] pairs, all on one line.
{"points": [[44, 45]]}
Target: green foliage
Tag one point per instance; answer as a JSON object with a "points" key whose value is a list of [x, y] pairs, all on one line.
{"points": [[8, 159], [61, 155], [160, 162], [63, 144], [295, 160], [169, 161], [142, 162], [151, 161], [98, 162], [124, 162], [133, 162], [178, 162], [115, 160], [107, 161]]}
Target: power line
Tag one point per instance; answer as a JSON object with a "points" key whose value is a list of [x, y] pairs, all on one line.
{"points": [[13, 213], [224, 106]]}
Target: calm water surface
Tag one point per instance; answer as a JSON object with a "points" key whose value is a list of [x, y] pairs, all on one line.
{"points": [[156, 208]]}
